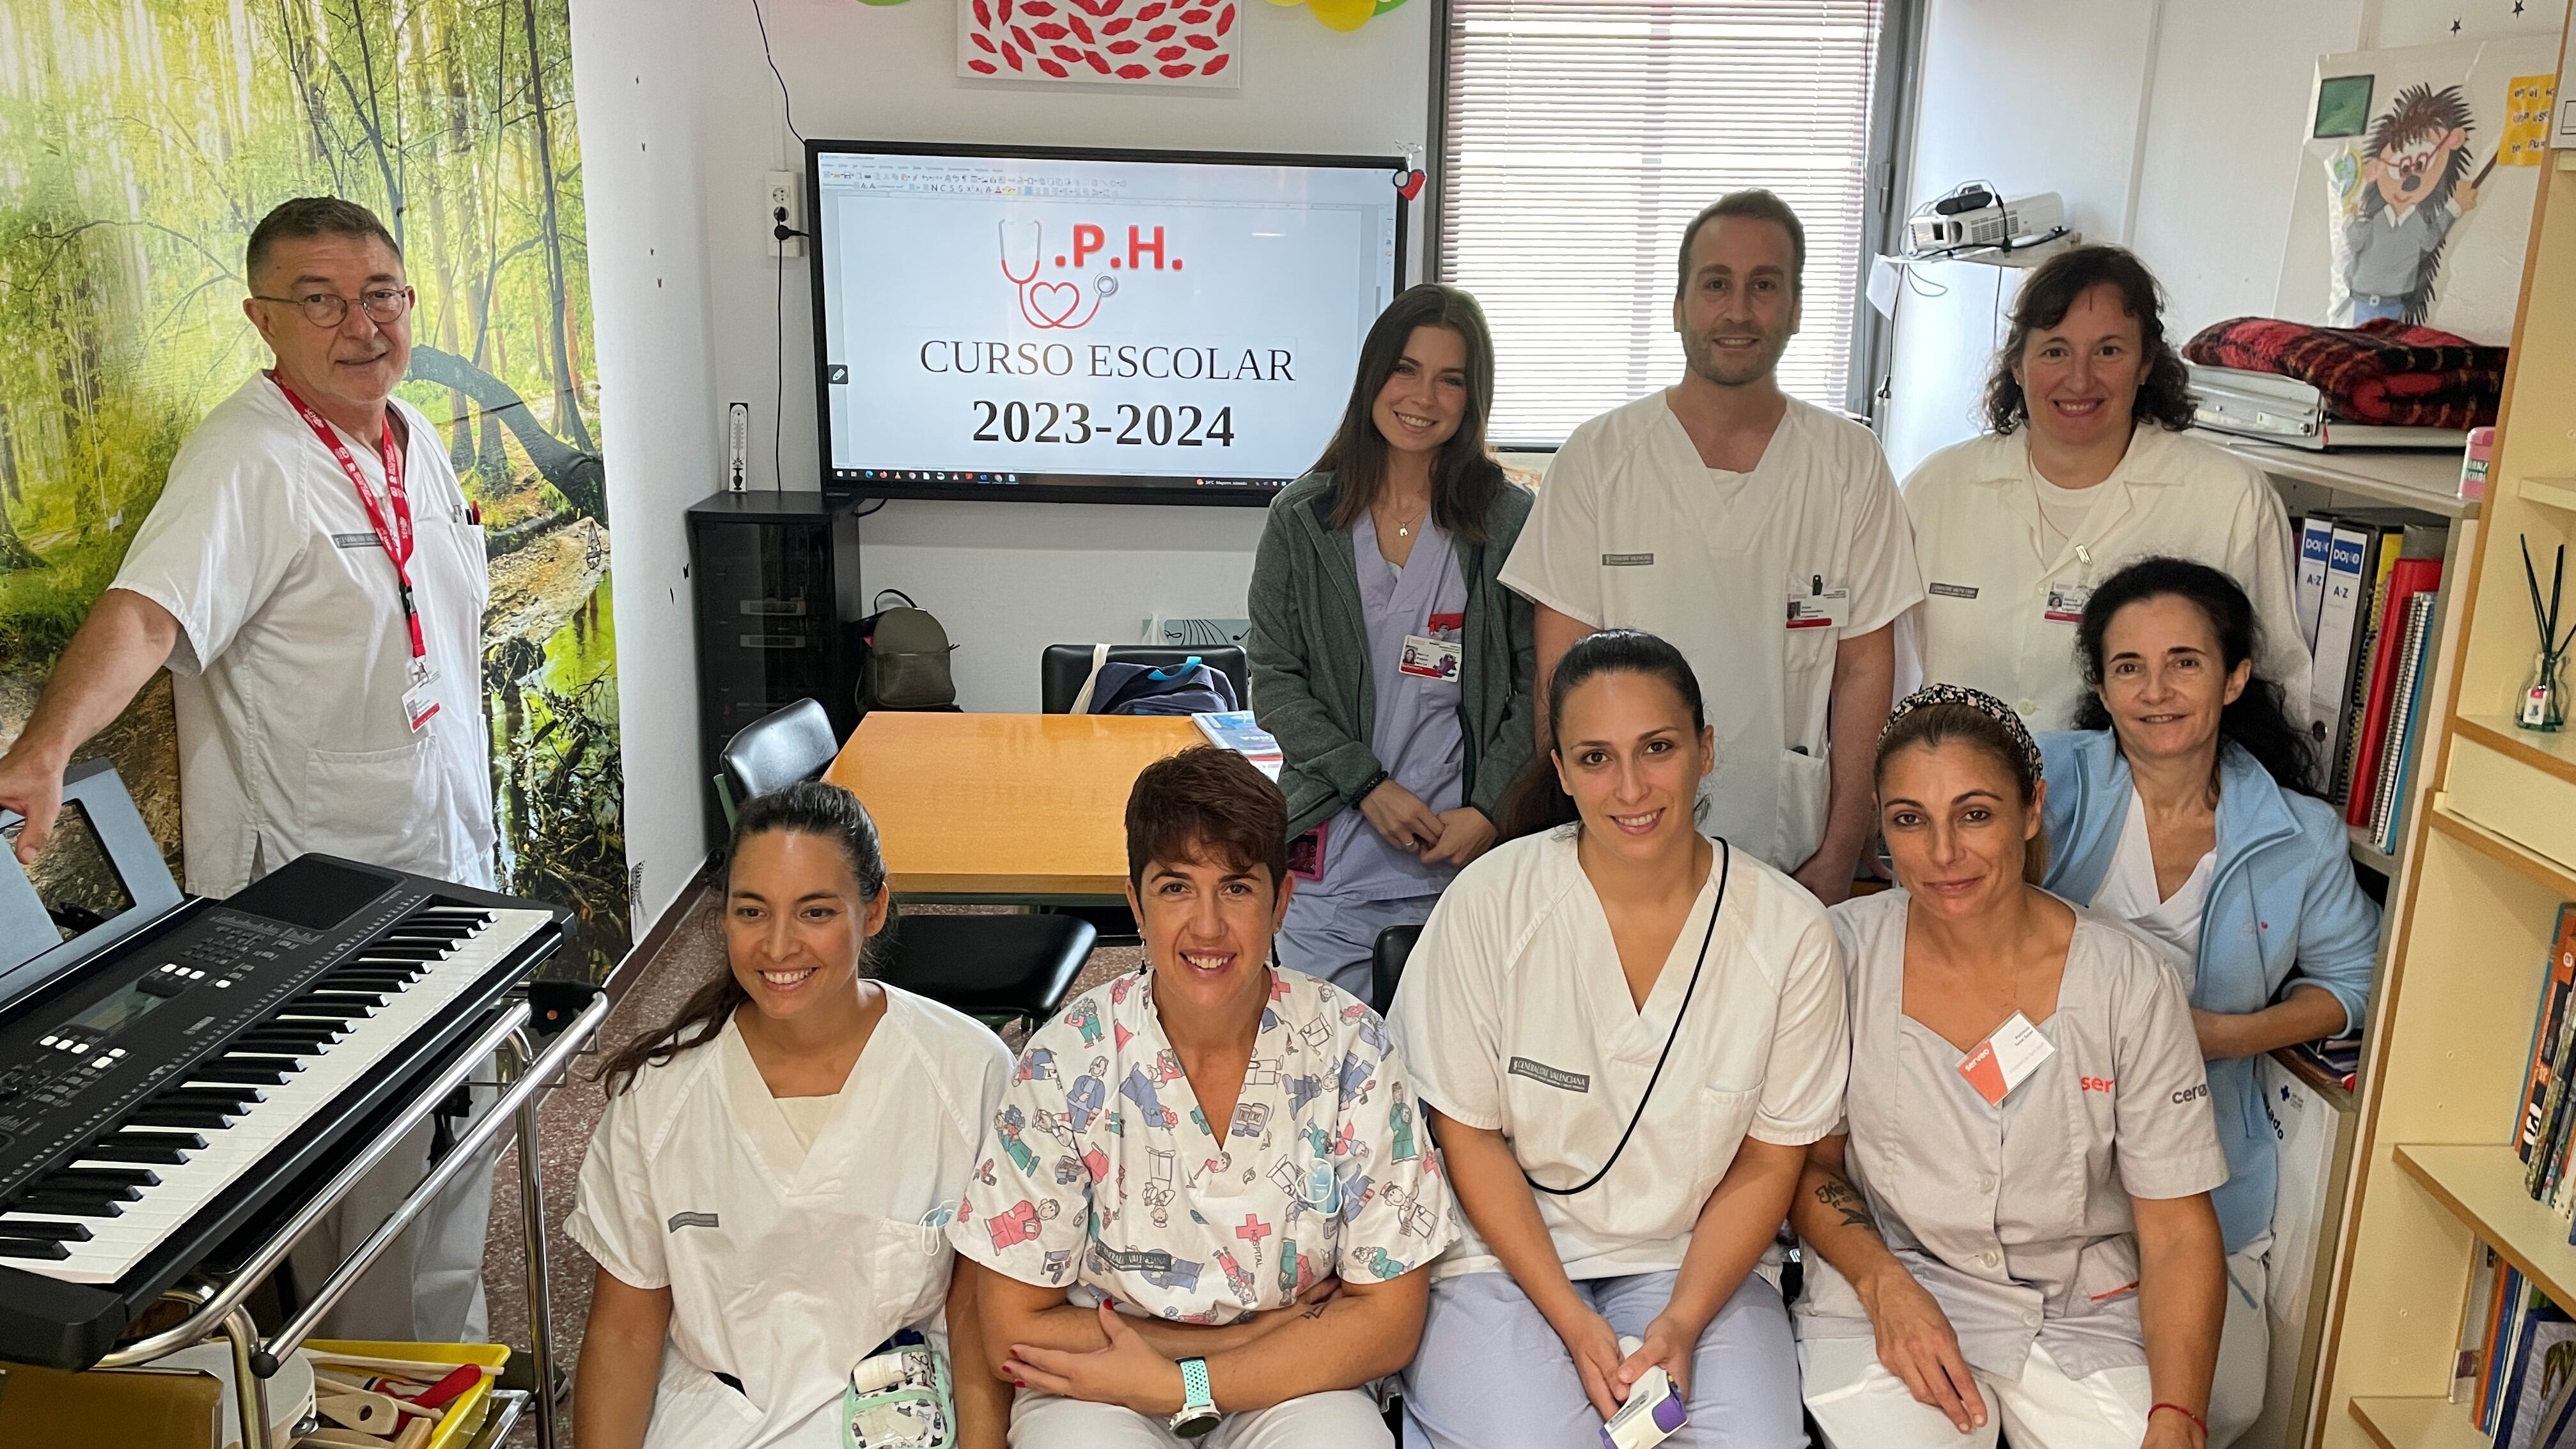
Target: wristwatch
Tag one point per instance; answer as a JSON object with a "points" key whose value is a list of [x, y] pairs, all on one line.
{"points": [[1198, 1411]]}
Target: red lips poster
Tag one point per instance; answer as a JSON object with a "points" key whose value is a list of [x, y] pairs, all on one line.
{"points": [[1144, 42]]}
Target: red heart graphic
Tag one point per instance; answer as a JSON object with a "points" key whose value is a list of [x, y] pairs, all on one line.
{"points": [[1042, 297], [1411, 186]]}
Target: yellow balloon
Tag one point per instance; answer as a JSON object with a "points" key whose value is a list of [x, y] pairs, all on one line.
{"points": [[1343, 14]]}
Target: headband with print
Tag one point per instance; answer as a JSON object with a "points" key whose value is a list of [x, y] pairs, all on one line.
{"points": [[1980, 701]]}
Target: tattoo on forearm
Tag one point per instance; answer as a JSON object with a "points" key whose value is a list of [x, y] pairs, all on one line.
{"points": [[1318, 1310], [1844, 1198]]}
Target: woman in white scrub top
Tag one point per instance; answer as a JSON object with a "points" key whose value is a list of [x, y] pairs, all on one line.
{"points": [[2013, 1225], [767, 1193], [2183, 804], [1624, 1034], [2085, 467]]}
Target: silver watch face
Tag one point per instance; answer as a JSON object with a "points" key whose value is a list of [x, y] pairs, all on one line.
{"points": [[1191, 1423]]}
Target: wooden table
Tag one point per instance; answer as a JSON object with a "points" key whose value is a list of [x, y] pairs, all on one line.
{"points": [[1004, 807]]}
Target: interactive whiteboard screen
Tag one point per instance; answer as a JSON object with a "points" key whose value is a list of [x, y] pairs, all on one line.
{"points": [[1090, 326]]}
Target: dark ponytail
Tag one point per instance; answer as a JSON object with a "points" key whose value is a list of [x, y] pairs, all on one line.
{"points": [[809, 807], [2257, 722], [1537, 800]]}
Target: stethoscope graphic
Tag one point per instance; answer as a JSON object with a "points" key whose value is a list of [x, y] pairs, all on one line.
{"points": [[1034, 294]]}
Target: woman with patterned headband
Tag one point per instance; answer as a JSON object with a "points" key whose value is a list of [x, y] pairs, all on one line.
{"points": [[2013, 1224]]}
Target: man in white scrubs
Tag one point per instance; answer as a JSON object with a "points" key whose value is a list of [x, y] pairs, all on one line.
{"points": [[1761, 534], [314, 580]]}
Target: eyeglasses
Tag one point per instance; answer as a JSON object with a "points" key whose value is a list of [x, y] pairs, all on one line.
{"points": [[329, 309]]}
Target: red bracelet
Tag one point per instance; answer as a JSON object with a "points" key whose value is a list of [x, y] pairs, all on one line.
{"points": [[2199, 1422]]}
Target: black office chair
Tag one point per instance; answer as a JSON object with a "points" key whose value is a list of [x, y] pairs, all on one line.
{"points": [[997, 969], [779, 748], [1386, 964], [1063, 667]]}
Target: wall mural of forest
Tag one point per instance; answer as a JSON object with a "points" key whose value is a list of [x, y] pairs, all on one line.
{"points": [[139, 142]]}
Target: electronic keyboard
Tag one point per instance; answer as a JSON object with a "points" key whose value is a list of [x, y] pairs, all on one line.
{"points": [[199, 1074]]}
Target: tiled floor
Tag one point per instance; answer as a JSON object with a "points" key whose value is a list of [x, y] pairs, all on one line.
{"points": [[694, 952]]}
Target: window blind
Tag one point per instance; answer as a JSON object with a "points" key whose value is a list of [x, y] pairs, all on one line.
{"points": [[1581, 136]]}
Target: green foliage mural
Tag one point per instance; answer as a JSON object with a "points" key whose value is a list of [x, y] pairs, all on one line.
{"points": [[139, 142]]}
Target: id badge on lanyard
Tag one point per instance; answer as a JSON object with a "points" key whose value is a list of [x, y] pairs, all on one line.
{"points": [[395, 533]]}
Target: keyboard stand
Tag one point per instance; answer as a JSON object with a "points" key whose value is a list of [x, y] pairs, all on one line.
{"points": [[219, 1306]]}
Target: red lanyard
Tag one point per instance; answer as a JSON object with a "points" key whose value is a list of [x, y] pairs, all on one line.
{"points": [[396, 537]]}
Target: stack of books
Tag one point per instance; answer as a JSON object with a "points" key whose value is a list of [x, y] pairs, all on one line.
{"points": [[2338, 1057], [2542, 1136], [2516, 1368], [2368, 594]]}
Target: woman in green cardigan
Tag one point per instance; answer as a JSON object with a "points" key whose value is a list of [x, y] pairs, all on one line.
{"points": [[1387, 659]]}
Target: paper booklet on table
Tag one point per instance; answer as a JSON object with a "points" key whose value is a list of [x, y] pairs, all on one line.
{"points": [[1234, 730]]}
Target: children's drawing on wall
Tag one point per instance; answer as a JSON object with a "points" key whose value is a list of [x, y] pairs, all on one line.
{"points": [[2430, 178]]}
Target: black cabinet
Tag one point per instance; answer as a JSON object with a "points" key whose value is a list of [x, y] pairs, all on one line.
{"points": [[778, 610]]}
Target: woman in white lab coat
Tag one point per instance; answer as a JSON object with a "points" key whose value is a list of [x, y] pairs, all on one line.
{"points": [[766, 1194], [2085, 467], [1624, 1034]]}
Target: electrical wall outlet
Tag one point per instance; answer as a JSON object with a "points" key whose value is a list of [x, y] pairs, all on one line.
{"points": [[784, 192]]}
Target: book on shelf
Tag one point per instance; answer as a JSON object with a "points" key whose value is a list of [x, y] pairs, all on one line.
{"points": [[2406, 714], [2504, 1322], [2337, 1057], [2468, 1365], [2316, 537], [2407, 579], [2560, 984], [1235, 730], [2542, 1357]]}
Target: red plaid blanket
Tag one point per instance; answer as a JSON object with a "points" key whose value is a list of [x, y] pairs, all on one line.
{"points": [[2384, 372]]}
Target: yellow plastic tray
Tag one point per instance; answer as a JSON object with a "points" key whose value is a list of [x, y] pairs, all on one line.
{"points": [[465, 1413]]}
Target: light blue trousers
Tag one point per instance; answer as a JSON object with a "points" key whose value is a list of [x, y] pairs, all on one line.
{"points": [[1493, 1375], [1337, 939]]}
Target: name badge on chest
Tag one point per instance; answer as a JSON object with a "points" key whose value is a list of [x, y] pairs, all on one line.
{"points": [[1435, 655], [2066, 603], [2006, 1059], [1819, 608]]}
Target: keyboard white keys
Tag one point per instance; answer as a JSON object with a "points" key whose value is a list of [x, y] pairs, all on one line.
{"points": [[116, 1244]]}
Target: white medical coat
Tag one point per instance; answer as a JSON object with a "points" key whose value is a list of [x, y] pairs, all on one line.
{"points": [[292, 657], [1977, 529], [786, 1266], [1632, 530], [1515, 1018]]}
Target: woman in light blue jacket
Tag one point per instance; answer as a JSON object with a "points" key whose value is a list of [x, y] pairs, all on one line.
{"points": [[2183, 803]]}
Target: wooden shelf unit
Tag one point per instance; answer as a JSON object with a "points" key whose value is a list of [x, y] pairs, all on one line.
{"points": [[2424, 483], [2490, 854]]}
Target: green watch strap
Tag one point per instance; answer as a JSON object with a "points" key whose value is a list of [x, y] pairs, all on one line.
{"points": [[1194, 1385]]}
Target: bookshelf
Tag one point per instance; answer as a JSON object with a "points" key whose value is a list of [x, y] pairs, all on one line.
{"points": [[2490, 853], [2425, 484]]}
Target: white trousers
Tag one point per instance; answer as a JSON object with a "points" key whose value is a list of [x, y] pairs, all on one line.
{"points": [[428, 1284], [2244, 1346], [1858, 1404], [1340, 1418]]}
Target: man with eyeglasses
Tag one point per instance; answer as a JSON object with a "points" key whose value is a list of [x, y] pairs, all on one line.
{"points": [[314, 580]]}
